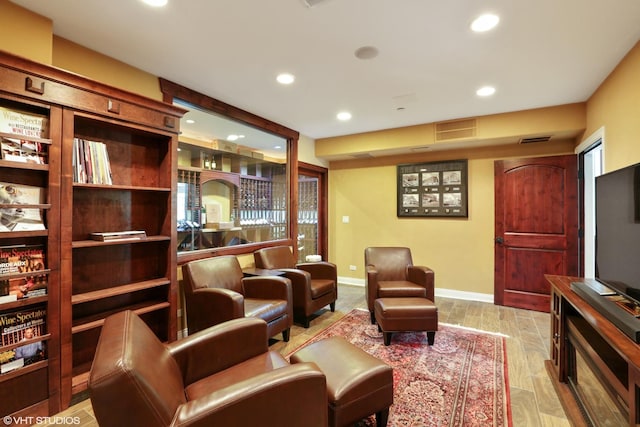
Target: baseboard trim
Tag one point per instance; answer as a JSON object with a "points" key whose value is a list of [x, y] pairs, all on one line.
{"points": [[446, 293]]}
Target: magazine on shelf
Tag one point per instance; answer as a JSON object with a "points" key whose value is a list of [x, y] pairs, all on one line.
{"points": [[91, 162], [20, 217], [22, 326], [23, 151], [23, 123], [22, 272]]}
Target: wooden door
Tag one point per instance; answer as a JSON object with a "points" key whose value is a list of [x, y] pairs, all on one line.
{"points": [[536, 228]]}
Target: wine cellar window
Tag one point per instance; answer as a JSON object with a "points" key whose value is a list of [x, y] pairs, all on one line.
{"points": [[232, 183]]}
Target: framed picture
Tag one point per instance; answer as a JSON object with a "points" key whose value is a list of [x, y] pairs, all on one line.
{"points": [[434, 189]]}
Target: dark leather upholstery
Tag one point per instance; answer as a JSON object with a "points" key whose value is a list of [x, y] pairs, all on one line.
{"points": [[216, 291], [390, 273], [314, 284], [358, 384], [406, 314], [221, 376]]}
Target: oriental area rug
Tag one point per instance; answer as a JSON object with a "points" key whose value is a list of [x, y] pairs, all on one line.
{"points": [[461, 380]]}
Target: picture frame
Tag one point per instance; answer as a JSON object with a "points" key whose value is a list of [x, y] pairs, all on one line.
{"points": [[433, 189]]}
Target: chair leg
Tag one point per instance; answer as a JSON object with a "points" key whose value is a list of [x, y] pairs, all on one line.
{"points": [[373, 317], [382, 417], [387, 337], [332, 306], [431, 336], [305, 322], [286, 334]]}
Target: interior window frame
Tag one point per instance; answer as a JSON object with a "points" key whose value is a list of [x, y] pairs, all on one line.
{"points": [[171, 91]]}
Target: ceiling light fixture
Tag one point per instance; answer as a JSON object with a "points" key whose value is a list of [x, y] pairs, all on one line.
{"points": [[156, 3], [191, 121], [485, 22], [232, 137], [285, 78], [344, 116], [486, 91]]}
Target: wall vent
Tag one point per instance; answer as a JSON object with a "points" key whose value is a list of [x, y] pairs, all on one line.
{"points": [[534, 139], [456, 129], [362, 156]]}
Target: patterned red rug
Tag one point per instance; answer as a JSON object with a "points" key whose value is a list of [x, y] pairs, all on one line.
{"points": [[461, 380]]}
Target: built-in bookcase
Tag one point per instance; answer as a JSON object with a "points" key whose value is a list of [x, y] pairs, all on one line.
{"points": [[90, 279]]}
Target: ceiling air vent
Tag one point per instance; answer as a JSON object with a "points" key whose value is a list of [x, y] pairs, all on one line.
{"points": [[456, 129], [534, 139]]}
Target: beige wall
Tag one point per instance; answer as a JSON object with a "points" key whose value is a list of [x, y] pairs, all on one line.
{"points": [[34, 44], [616, 107], [459, 250]]}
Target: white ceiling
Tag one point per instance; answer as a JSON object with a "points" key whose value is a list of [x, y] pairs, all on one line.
{"points": [[543, 52]]}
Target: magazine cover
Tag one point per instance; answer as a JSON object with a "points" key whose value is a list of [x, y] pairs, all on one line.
{"points": [[23, 123], [21, 217], [22, 272], [18, 150], [22, 327]]}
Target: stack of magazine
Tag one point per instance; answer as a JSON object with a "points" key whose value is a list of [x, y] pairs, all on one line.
{"points": [[91, 162]]}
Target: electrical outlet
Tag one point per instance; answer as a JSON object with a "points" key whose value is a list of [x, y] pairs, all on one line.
{"points": [[353, 268]]}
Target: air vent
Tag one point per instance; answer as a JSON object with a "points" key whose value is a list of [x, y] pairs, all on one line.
{"points": [[457, 129], [362, 156], [534, 139]]}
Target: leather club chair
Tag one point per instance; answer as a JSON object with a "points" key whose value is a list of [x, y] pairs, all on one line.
{"points": [[216, 291], [314, 284], [222, 376], [390, 273]]}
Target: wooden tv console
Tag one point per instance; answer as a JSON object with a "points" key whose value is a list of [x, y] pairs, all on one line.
{"points": [[580, 332]]}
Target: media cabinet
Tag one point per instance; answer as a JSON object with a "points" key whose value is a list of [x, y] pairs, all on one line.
{"points": [[594, 366]]}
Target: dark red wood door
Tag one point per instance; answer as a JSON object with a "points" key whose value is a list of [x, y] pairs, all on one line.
{"points": [[536, 228]]}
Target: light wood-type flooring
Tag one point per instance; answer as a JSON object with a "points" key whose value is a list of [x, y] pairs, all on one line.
{"points": [[533, 399]]}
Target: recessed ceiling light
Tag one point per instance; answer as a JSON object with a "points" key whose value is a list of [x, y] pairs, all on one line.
{"points": [[285, 78], [156, 3], [485, 22], [486, 91], [344, 116], [191, 121], [277, 147], [232, 137]]}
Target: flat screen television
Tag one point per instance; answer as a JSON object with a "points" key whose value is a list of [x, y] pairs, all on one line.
{"points": [[618, 230]]}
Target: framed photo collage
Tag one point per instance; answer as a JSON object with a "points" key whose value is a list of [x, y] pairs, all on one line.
{"points": [[435, 189]]}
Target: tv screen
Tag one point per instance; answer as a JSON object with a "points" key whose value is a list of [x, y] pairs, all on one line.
{"points": [[618, 230]]}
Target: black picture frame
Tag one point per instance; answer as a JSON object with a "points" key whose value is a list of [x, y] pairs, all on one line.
{"points": [[433, 189]]}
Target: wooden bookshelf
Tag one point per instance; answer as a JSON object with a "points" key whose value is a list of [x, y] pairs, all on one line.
{"points": [[89, 280]]}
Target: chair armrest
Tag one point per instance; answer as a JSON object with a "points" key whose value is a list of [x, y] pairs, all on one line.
{"points": [[210, 306], [423, 276], [301, 388], [301, 282], [267, 287], [371, 285], [219, 347], [320, 270]]}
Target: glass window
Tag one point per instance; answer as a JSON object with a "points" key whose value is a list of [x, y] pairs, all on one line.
{"points": [[232, 182]]}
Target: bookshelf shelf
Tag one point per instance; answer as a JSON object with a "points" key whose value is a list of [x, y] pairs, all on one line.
{"points": [[25, 302], [20, 165], [42, 364], [97, 320], [118, 290], [95, 243]]}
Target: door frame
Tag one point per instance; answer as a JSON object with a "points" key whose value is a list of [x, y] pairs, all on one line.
{"points": [[322, 174]]}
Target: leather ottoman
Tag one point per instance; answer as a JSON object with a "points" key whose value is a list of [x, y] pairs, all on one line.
{"points": [[358, 384], [406, 314]]}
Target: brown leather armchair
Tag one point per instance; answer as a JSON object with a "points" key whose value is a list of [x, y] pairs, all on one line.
{"points": [[222, 376], [216, 291], [314, 284], [390, 273]]}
